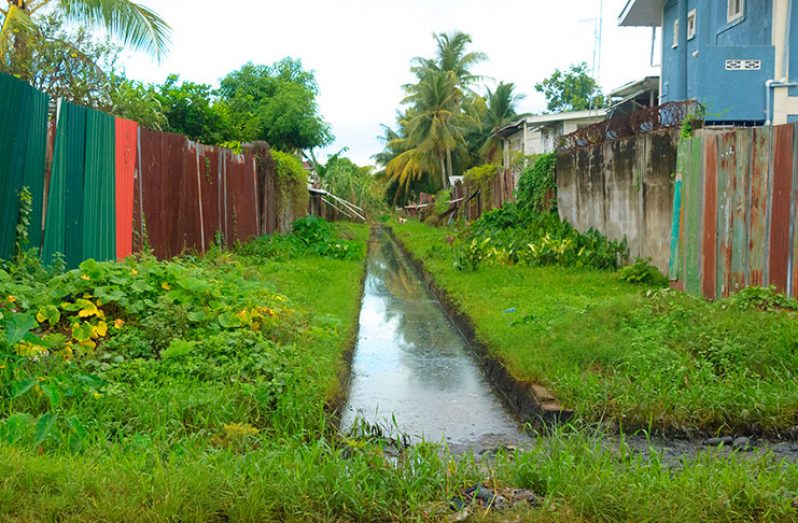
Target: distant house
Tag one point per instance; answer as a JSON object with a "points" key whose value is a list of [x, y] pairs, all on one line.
{"points": [[634, 96], [540, 134], [739, 58]]}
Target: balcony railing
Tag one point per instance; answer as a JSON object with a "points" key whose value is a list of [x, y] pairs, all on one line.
{"points": [[665, 116]]}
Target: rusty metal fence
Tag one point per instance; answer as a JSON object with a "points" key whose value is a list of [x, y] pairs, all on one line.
{"points": [[735, 211], [115, 187], [666, 116]]}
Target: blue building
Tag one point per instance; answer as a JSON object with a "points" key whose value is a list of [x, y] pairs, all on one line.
{"points": [[737, 57]]}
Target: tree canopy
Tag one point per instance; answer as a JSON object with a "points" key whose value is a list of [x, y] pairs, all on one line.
{"points": [[444, 126], [275, 103], [571, 90]]}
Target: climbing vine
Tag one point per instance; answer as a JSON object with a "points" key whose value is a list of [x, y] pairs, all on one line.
{"points": [[537, 188], [292, 185]]}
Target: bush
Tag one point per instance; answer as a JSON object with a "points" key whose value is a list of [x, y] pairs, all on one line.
{"points": [[311, 236], [641, 272], [512, 235]]}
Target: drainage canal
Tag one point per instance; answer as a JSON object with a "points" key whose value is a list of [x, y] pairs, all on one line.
{"points": [[413, 368]]}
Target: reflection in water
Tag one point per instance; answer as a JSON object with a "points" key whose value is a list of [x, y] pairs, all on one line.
{"points": [[410, 361]]}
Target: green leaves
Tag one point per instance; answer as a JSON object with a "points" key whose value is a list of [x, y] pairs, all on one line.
{"points": [[17, 326], [49, 314], [230, 320], [178, 348]]}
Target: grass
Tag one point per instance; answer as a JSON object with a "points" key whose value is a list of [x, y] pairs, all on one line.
{"points": [[185, 413], [649, 359]]}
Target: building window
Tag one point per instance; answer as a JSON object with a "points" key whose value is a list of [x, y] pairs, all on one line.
{"points": [[675, 33], [691, 24], [735, 10]]}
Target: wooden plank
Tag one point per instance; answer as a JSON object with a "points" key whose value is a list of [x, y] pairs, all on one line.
{"points": [[709, 222]]}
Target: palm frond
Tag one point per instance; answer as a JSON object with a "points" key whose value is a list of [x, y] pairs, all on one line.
{"points": [[16, 25], [135, 25]]}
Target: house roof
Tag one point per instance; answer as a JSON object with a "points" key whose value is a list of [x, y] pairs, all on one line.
{"points": [[636, 87], [544, 119], [642, 13]]}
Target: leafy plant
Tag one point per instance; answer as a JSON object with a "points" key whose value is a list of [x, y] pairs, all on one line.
{"points": [[641, 272], [537, 188]]}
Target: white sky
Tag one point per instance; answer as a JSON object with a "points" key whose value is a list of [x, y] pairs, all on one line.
{"points": [[361, 50]]}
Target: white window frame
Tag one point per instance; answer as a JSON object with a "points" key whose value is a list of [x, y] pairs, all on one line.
{"points": [[675, 34], [734, 10], [692, 24]]}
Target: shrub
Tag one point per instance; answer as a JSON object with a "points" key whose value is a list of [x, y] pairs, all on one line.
{"points": [[641, 272]]}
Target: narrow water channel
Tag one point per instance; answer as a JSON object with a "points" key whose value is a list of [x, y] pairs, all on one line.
{"points": [[412, 365]]}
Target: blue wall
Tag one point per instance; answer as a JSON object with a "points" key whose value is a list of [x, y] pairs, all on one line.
{"points": [[729, 96]]}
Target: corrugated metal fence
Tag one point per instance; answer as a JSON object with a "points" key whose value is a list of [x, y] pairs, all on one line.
{"points": [[115, 186], [735, 211], [23, 144]]}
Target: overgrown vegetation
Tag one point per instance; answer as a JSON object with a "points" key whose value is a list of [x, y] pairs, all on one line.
{"points": [[659, 360], [510, 235], [537, 188], [311, 236], [292, 182]]}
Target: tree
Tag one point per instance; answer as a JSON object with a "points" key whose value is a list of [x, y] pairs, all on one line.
{"points": [[433, 128], [69, 64], [499, 111], [355, 184], [451, 56], [571, 90], [189, 110], [275, 103], [134, 25], [136, 101]]}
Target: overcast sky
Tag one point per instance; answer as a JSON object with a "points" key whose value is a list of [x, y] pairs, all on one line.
{"points": [[361, 50]]}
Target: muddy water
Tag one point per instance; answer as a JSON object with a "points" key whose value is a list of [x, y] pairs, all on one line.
{"points": [[413, 368]]}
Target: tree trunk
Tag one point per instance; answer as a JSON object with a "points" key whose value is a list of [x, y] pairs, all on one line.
{"points": [[449, 162], [443, 172]]}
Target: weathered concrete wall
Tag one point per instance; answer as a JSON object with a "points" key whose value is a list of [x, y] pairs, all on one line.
{"points": [[623, 188]]}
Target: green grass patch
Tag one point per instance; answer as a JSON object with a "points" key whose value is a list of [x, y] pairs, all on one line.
{"points": [[195, 390], [647, 358]]}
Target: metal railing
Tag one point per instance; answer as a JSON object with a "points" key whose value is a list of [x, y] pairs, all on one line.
{"points": [[665, 116]]}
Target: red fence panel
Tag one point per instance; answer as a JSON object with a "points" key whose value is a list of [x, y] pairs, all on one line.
{"points": [[126, 153]]}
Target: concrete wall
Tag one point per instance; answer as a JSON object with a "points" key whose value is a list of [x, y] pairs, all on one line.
{"points": [[623, 189]]}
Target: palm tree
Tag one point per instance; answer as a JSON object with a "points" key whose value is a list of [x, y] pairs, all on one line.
{"points": [[433, 128], [451, 56], [135, 25], [499, 111]]}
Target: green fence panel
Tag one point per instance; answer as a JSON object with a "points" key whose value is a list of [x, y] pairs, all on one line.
{"points": [[23, 135], [64, 221], [35, 162], [99, 209]]}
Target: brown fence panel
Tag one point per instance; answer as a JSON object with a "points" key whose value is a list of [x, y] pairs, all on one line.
{"points": [[170, 193], [210, 183], [241, 193]]}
